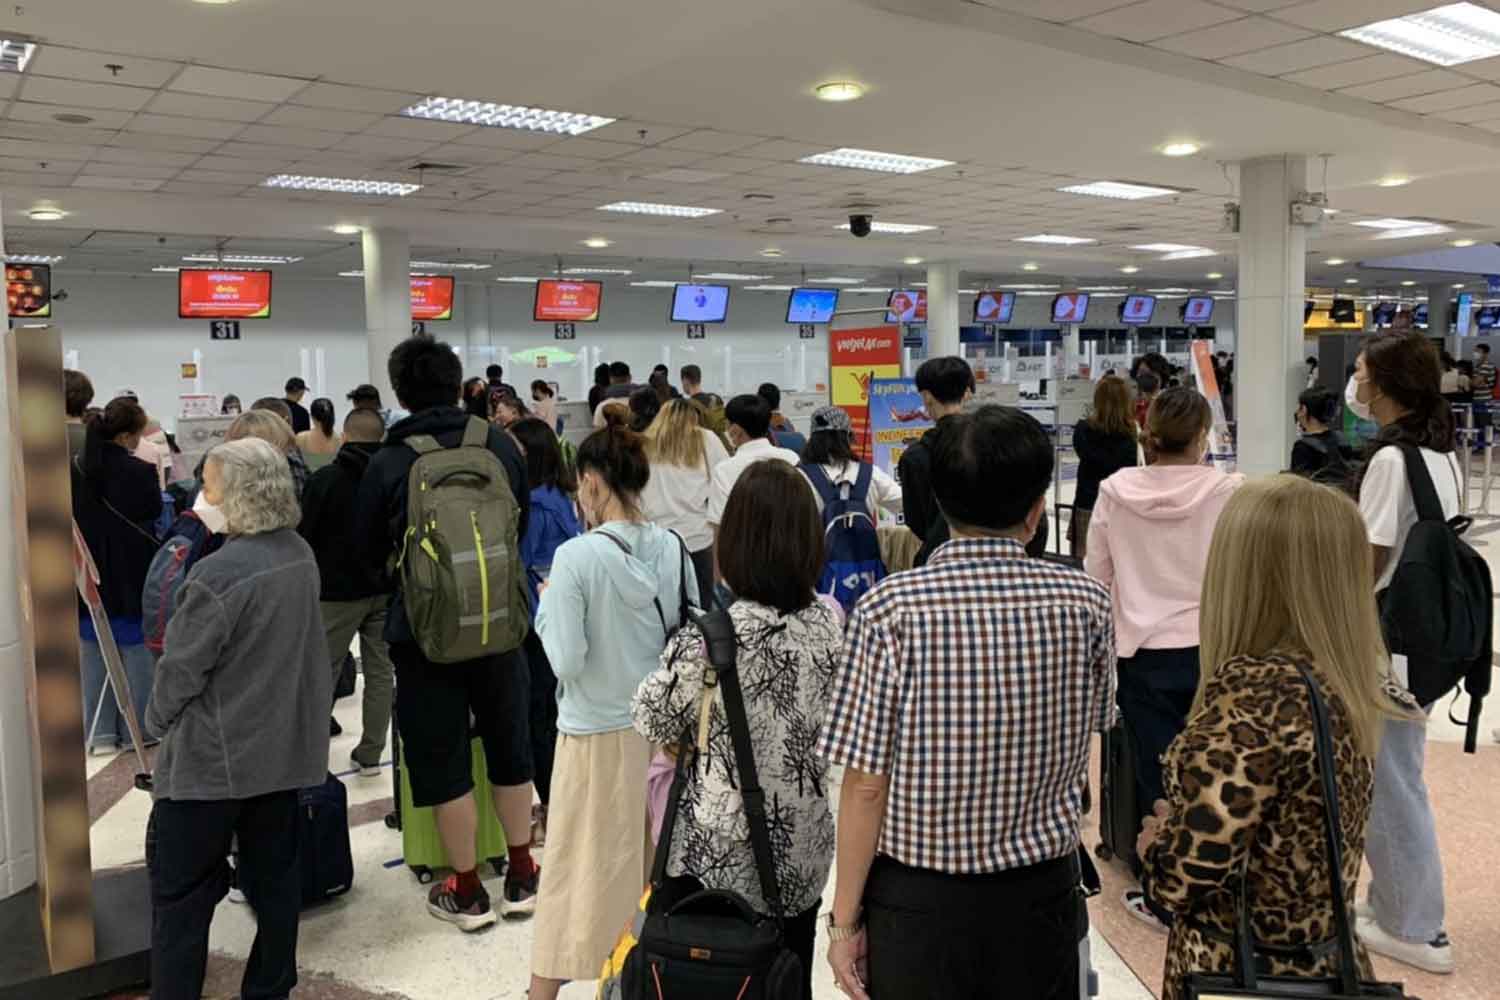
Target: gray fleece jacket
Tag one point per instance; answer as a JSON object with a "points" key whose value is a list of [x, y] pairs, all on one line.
{"points": [[242, 695]]}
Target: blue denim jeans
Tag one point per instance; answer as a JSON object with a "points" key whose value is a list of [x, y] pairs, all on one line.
{"points": [[1406, 870], [139, 668]]}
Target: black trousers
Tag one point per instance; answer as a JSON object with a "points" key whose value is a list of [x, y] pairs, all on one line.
{"points": [[1156, 692], [543, 714], [800, 934], [186, 846], [703, 566], [1013, 934]]}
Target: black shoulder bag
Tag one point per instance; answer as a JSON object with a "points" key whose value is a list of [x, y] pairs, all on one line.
{"points": [[710, 944], [1246, 982]]}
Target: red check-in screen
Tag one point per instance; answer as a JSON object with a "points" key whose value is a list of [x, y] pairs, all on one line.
{"points": [[567, 301], [432, 297], [217, 294]]}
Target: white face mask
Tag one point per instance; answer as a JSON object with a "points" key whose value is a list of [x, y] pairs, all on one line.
{"points": [[211, 516], [1351, 397]]}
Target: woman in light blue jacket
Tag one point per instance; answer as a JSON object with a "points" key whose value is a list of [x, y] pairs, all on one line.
{"points": [[613, 597]]}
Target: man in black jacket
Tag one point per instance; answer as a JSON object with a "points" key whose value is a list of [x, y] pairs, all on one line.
{"points": [[434, 701], [353, 596], [295, 390]]}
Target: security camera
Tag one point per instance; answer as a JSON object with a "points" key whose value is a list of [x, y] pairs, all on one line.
{"points": [[859, 225], [60, 296]]}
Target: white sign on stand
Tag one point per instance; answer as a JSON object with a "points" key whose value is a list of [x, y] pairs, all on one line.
{"points": [[1119, 363], [197, 405], [997, 393], [196, 435], [1029, 369]]}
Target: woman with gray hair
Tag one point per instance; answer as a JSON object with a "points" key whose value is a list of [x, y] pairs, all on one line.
{"points": [[240, 701]]}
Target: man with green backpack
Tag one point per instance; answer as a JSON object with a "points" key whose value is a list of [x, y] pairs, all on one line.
{"points": [[441, 509]]}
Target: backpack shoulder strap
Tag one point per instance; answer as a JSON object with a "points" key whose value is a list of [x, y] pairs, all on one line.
{"points": [[423, 444], [821, 484], [476, 434], [1423, 494], [862, 483]]}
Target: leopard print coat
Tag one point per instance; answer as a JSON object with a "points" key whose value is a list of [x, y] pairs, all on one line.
{"points": [[1244, 792]]}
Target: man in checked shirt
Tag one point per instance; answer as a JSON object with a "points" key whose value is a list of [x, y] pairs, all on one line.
{"points": [[963, 713]]}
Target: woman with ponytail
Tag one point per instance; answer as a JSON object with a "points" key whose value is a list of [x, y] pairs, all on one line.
{"points": [[612, 599], [116, 501], [1397, 383]]}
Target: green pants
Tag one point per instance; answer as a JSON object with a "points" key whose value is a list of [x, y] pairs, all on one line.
{"points": [[342, 621]]}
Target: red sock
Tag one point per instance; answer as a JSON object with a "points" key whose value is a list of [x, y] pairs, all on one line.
{"points": [[468, 884], [522, 867]]}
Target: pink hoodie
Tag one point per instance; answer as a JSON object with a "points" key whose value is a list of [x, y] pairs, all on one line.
{"points": [[1148, 542]]}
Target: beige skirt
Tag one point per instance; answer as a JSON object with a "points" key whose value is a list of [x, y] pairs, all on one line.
{"points": [[598, 854]]}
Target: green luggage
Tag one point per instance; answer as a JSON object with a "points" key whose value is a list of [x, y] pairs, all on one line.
{"points": [[421, 847]]}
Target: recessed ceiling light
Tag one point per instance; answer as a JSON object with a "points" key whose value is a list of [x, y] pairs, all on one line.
{"points": [[1351, 281], [32, 258], [1394, 181], [341, 185], [1448, 35], [239, 258], [653, 284], [773, 252], [215, 3], [839, 91], [447, 265], [893, 228], [597, 270], [654, 208], [1105, 288], [1190, 254], [1410, 227], [164, 269], [489, 114], [1118, 189], [869, 159], [911, 261], [46, 213], [1180, 149], [597, 242], [351, 274], [516, 279], [1164, 247], [1458, 284], [1463, 243], [346, 229], [728, 276], [1129, 269], [1055, 240], [14, 55], [834, 281], [769, 288], [1030, 266], [1213, 275], [1407, 284], [1334, 261]]}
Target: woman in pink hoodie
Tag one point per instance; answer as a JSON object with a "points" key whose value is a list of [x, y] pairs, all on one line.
{"points": [[1148, 542]]}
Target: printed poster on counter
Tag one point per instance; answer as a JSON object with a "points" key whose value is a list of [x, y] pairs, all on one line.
{"points": [[855, 359], [897, 418], [1219, 447]]}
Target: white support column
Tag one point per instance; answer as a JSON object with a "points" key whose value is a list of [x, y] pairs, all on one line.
{"points": [[1439, 301], [387, 255], [1269, 367], [942, 309]]}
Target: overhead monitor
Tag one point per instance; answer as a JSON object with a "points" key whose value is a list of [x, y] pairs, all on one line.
{"points": [[1419, 315], [1136, 310], [907, 306], [1487, 318], [218, 294], [994, 307], [1198, 310], [1464, 314], [431, 297], [1342, 311], [812, 305], [560, 301], [700, 303], [1070, 308], [1384, 313], [28, 291], [1307, 310]]}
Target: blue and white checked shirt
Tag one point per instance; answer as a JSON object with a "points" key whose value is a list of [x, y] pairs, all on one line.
{"points": [[976, 683]]}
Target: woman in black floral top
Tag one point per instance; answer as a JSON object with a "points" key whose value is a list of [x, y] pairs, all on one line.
{"points": [[770, 553]]}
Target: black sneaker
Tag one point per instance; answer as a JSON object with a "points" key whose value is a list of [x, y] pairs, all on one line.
{"points": [[334, 729], [443, 903], [519, 899]]}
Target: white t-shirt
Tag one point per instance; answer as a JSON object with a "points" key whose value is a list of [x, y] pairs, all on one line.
{"points": [[727, 472], [1385, 500], [676, 497], [884, 493]]}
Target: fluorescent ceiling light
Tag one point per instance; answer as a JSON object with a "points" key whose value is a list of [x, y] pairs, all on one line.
{"points": [[346, 229], [1180, 149], [912, 261], [1118, 189], [163, 269], [1392, 223], [1422, 229], [1129, 269], [1164, 247], [1029, 266], [1463, 243], [1393, 181], [351, 274], [1054, 240], [839, 91], [893, 228], [1105, 288], [235, 258], [597, 270], [597, 242], [516, 279], [1213, 276], [1335, 261], [487, 113], [868, 290], [773, 252], [341, 185], [653, 284], [729, 276], [443, 265], [769, 288], [15, 55], [654, 208], [834, 281], [46, 213], [1449, 35], [32, 258], [1407, 284], [1032, 287], [869, 159], [1190, 254]]}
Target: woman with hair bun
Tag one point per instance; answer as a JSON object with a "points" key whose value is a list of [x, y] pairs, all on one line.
{"points": [[613, 597], [320, 438]]}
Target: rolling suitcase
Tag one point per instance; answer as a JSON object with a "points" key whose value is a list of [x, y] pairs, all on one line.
{"points": [[1120, 811], [324, 856]]}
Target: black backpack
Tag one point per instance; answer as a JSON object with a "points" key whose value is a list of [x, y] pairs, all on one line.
{"points": [[1437, 610]]}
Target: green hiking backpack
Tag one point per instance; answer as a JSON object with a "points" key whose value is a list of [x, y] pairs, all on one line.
{"points": [[460, 565]]}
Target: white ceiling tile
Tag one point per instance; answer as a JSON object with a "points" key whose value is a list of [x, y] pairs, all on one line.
{"points": [[1492, 126], [336, 95], [218, 108], [1473, 113], [551, 161], [283, 135], [196, 188], [109, 154], [85, 95], [81, 64], [629, 131], [26, 112], [1428, 82], [1306, 54], [383, 147], [1336, 15], [506, 138], [455, 153], [264, 166], [262, 151], [117, 183], [1485, 69], [1461, 97], [200, 128], [221, 176], [417, 128], [1143, 22], [166, 143], [320, 118], [1232, 38], [593, 149], [22, 164], [1356, 71], [655, 155], [9, 82], [131, 170], [1055, 10], [1257, 6], [709, 141], [232, 83], [782, 151]]}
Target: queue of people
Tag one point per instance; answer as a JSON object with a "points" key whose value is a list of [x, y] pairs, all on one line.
{"points": [[1204, 609]]}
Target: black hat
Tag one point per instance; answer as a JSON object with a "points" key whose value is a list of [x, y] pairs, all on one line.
{"points": [[295, 384], [364, 394]]}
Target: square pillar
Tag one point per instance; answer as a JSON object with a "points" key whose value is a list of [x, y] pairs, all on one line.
{"points": [[387, 256], [942, 309]]}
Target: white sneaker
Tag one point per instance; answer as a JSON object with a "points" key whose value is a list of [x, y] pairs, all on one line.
{"points": [[236, 896], [1134, 901], [1435, 956], [364, 770]]}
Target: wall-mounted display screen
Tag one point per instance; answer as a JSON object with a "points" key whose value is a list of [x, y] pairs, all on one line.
{"points": [[1070, 308], [1419, 315], [220, 294], [1342, 311], [567, 301], [700, 303], [1136, 310], [812, 305], [1198, 310], [1384, 313], [1487, 318], [994, 307], [432, 297], [907, 306], [1463, 314], [28, 291]]}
